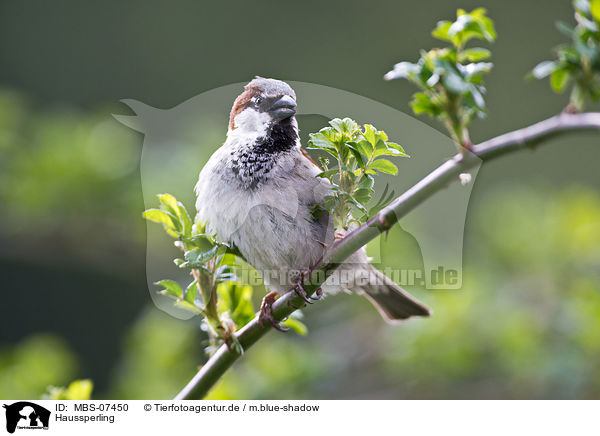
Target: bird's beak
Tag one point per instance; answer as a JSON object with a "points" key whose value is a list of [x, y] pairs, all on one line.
{"points": [[283, 108]]}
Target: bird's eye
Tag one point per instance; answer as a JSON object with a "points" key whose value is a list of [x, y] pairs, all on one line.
{"points": [[258, 100]]}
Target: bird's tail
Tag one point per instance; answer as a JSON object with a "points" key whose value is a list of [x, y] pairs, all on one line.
{"points": [[393, 303]]}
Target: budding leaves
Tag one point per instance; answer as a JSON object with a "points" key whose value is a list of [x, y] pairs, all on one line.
{"points": [[359, 153], [577, 63], [173, 215], [451, 78]]}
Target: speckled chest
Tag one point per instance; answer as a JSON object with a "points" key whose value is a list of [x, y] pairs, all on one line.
{"points": [[251, 165]]}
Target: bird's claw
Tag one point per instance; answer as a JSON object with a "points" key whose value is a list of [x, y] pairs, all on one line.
{"points": [[301, 292], [318, 293], [299, 288], [266, 315]]}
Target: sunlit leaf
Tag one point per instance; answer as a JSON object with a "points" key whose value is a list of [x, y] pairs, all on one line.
{"points": [[559, 79], [191, 292], [441, 31], [296, 325], [170, 288], [474, 54], [162, 217], [199, 257], [384, 166]]}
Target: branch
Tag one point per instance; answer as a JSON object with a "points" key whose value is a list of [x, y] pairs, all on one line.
{"points": [[448, 172]]}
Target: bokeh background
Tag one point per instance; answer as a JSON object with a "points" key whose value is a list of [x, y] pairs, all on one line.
{"points": [[75, 303]]}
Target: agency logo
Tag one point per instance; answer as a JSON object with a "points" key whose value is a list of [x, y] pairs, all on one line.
{"points": [[26, 415]]}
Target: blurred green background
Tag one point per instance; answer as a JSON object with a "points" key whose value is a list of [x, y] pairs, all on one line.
{"points": [[75, 302]]}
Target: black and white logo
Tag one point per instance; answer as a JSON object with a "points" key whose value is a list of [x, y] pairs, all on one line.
{"points": [[26, 415]]}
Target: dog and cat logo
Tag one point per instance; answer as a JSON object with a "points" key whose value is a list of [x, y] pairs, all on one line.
{"points": [[26, 415]]}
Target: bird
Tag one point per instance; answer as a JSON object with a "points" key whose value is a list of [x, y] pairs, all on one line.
{"points": [[258, 193]]}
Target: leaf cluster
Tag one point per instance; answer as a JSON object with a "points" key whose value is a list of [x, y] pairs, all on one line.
{"points": [[214, 292], [360, 154], [577, 63], [451, 78]]}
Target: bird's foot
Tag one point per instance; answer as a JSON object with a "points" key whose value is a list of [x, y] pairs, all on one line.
{"points": [[266, 315], [299, 287], [301, 292]]}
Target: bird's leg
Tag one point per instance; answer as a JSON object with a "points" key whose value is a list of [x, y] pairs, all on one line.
{"points": [[299, 288], [301, 292], [266, 314]]}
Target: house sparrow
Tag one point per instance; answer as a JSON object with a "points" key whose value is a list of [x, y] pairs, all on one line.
{"points": [[258, 192]]}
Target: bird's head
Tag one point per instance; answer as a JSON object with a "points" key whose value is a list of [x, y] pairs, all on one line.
{"points": [[264, 104]]}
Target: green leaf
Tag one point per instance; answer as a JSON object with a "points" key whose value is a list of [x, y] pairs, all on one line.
{"points": [[191, 292], [380, 135], [170, 288], [474, 54], [559, 79], [357, 157], [397, 149], [346, 126], [159, 216], [320, 140], [564, 28], [236, 300], [164, 218], [296, 325], [422, 104], [384, 166], [488, 25], [369, 134], [78, 390], [327, 174], [363, 195], [169, 202], [185, 220], [198, 258], [189, 306], [366, 182], [441, 31], [454, 82], [471, 25], [403, 70], [544, 69], [363, 146], [595, 9], [473, 69], [349, 126]]}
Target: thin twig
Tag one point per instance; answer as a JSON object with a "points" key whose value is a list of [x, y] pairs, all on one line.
{"points": [[445, 174]]}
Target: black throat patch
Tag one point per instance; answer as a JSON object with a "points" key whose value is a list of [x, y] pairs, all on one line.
{"points": [[252, 165]]}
